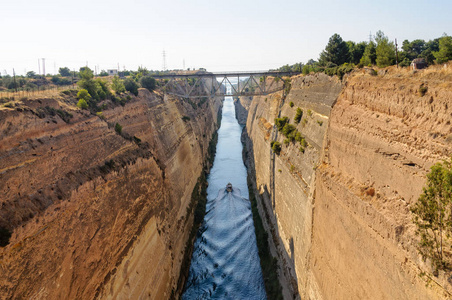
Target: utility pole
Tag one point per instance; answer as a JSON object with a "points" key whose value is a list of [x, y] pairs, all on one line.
{"points": [[370, 36], [164, 60], [397, 54], [39, 67], [44, 67], [15, 84]]}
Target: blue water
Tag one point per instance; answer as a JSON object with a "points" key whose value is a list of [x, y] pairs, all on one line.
{"points": [[225, 262]]}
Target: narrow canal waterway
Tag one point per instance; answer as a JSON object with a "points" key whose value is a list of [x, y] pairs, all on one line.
{"points": [[225, 262]]}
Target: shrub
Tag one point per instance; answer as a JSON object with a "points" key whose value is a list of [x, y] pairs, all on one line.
{"points": [[185, 118], [83, 94], [304, 122], [309, 113], [303, 143], [280, 122], [298, 115], [320, 122], [82, 104], [291, 104], [276, 147], [148, 82], [298, 136], [118, 128], [423, 90], [288, 129], [131, 86], [100, 115], [117, 85]]}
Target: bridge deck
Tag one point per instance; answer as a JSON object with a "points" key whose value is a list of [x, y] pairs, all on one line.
{"points": [[228, 74]]}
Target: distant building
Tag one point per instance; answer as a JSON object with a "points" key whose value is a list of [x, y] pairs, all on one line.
{"points": [[112, 72], [419, 63]]}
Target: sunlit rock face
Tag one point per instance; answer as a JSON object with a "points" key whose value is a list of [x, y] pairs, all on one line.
{"points": [[339, 212], [95, 213]]}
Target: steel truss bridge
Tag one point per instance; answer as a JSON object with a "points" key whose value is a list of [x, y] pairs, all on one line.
{"points": [[205, 84]]}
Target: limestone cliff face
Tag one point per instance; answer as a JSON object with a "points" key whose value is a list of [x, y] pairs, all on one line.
{"points": [[95, 213], [287, 185], [339, 213]]}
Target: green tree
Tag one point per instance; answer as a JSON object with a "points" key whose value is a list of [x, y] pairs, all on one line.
{"points": [[117, 85], [356, 51], [64, 71], [131, 86], [445, 50], [432, 214], [86, 82], [336, 51], [385, 50], [31, 74], [370, 55], [412, 50], [148, 82], [429, 48], [102, 89]]}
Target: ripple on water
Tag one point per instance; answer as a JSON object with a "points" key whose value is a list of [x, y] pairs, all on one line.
{"points": [[225, 262]]}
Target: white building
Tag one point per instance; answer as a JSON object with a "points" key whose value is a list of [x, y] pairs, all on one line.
{"points": [[112, 72]]}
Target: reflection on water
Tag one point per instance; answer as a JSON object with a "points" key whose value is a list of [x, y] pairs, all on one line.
{"points": [[225, 262]]}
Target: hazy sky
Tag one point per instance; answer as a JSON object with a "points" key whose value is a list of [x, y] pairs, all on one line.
{"points": [[216, 35]]}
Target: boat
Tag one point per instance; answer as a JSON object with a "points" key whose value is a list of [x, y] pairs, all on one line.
{"points": [[229, 187]]}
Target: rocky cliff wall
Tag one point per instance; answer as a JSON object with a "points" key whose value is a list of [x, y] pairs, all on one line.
{"points": [[95, 213], [383, 138], [286, 186], [339, 212]]}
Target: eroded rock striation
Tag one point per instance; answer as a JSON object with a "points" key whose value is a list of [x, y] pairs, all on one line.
{"points": [[97, 212], [339, 213]]}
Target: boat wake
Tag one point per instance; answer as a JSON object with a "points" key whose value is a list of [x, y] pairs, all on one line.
{"points": [[225, 262]]}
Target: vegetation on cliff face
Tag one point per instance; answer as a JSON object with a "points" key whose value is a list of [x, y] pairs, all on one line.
{"points": [[290, 132], [433, 217]]}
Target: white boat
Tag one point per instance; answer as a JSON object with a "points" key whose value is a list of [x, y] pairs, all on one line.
{"points": [[229, 187]]}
